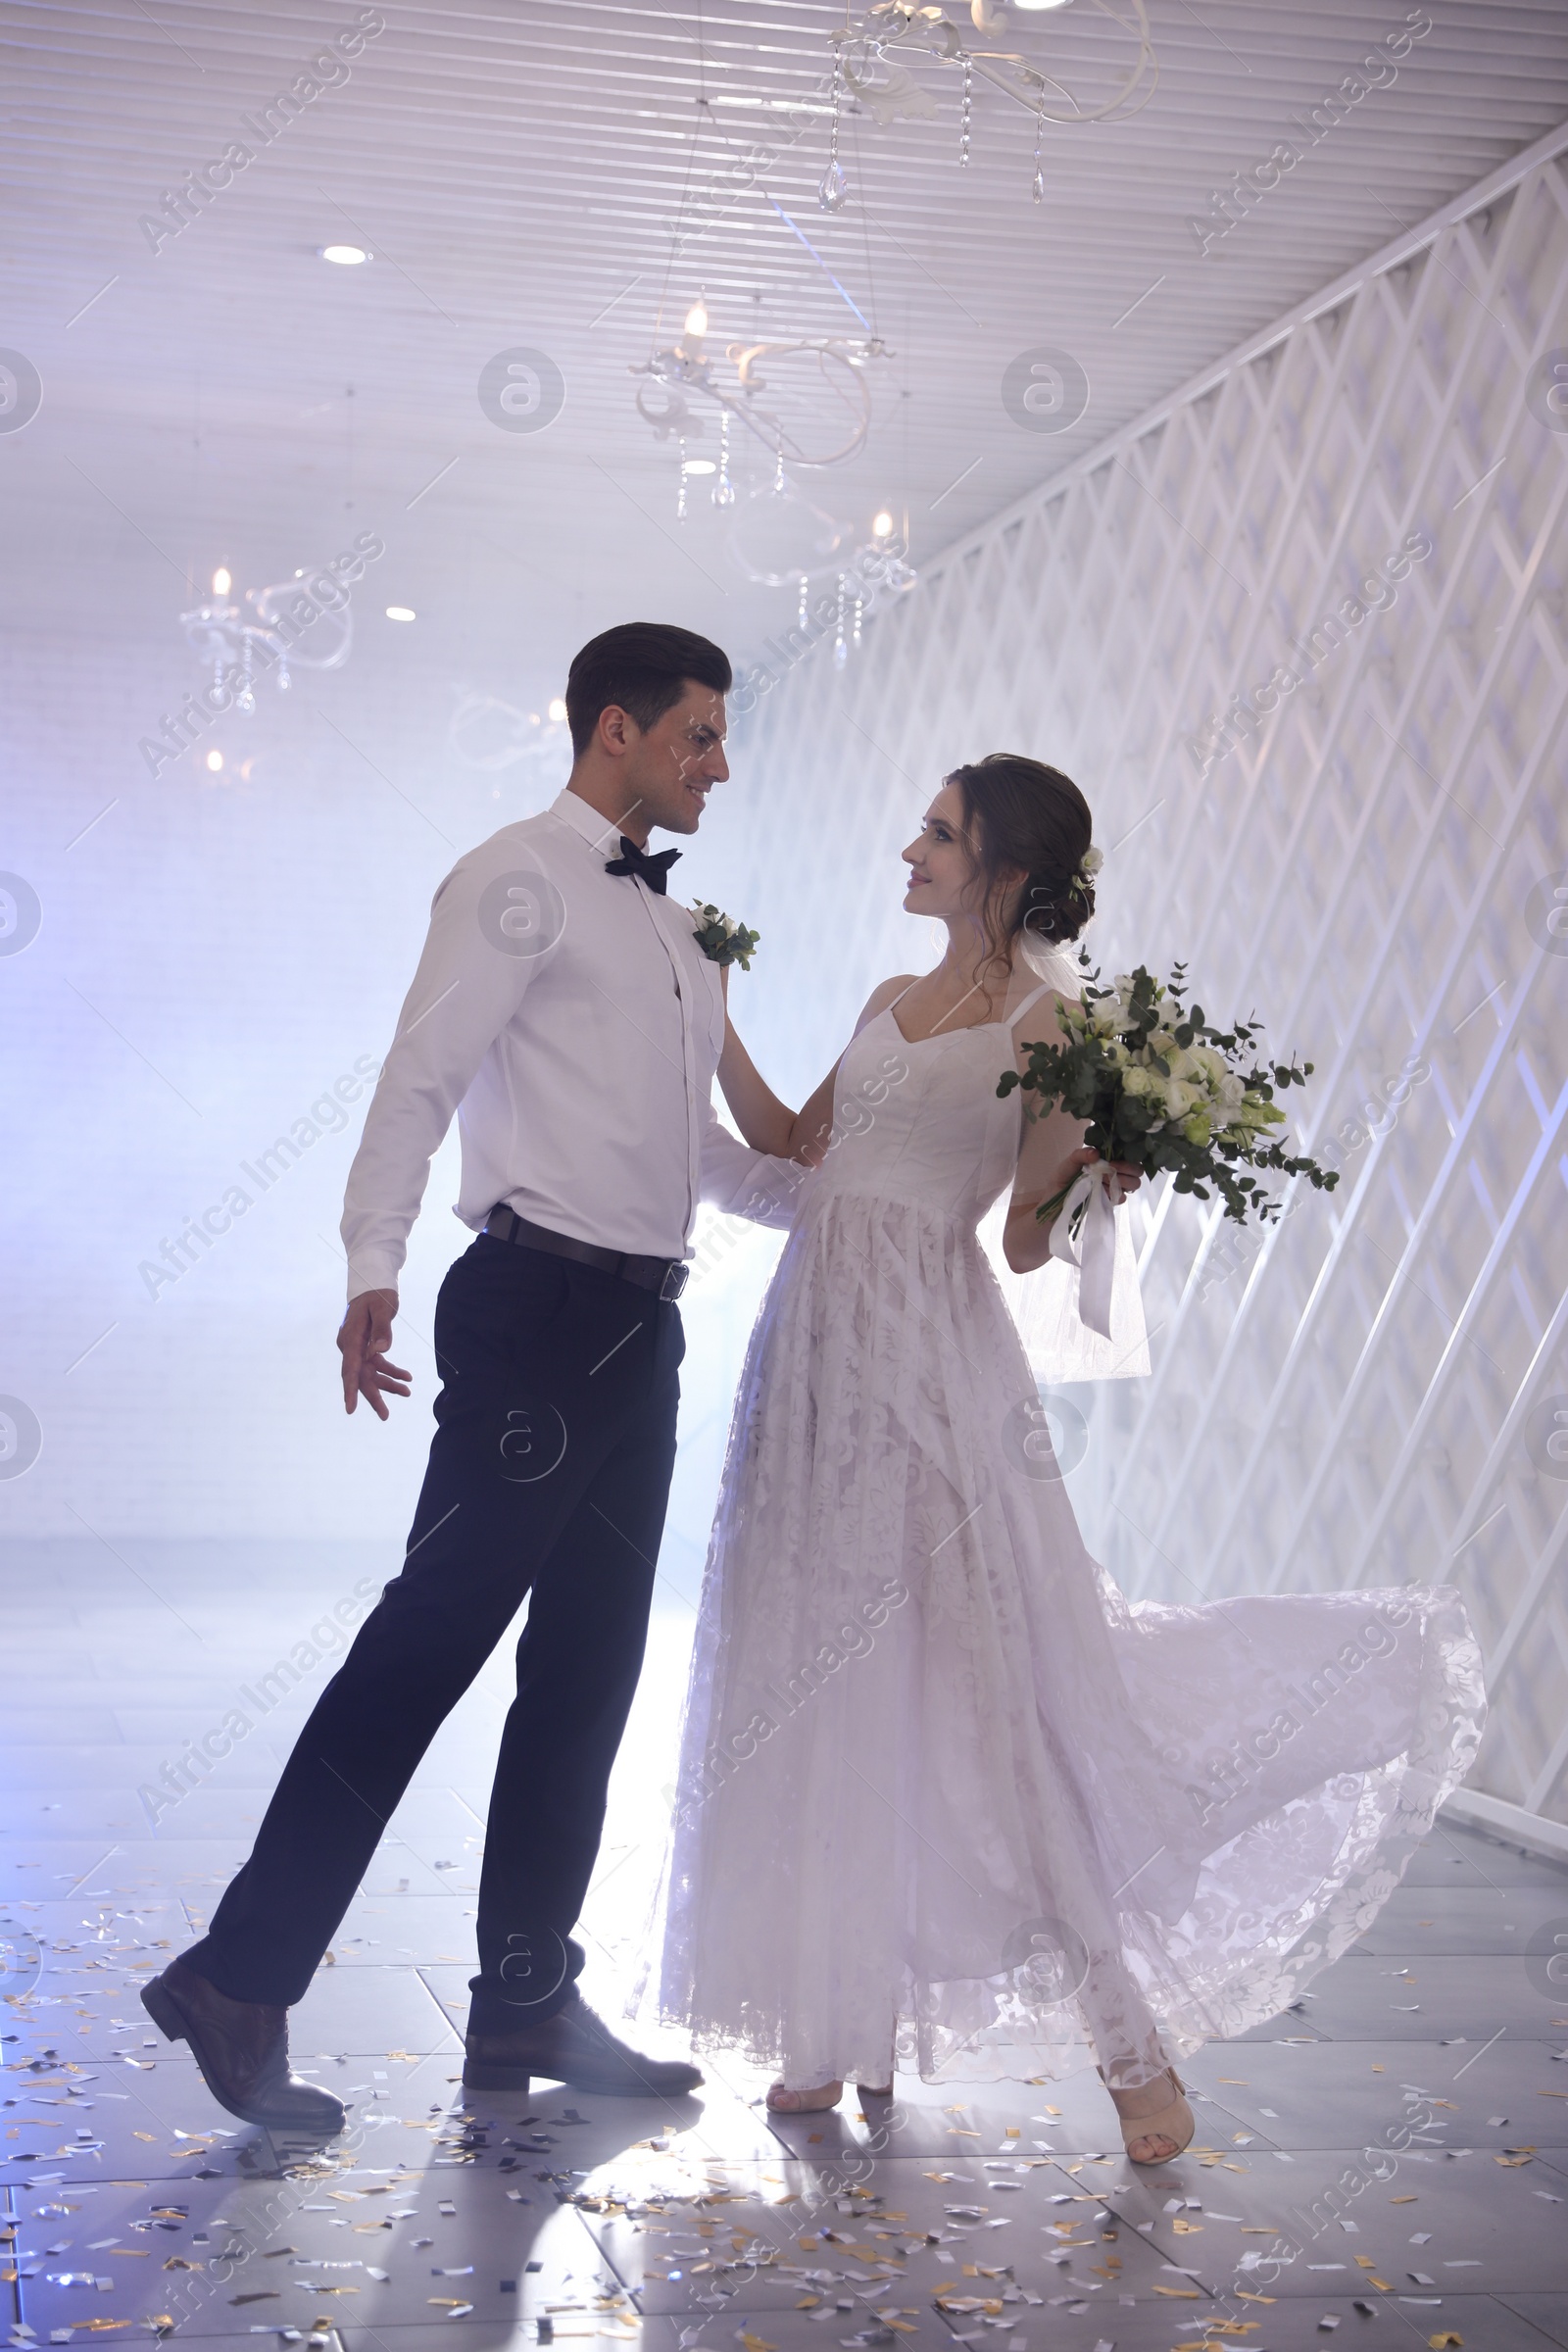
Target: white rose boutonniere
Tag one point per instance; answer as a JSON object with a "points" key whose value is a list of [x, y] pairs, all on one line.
{"points": [[722, 940]]}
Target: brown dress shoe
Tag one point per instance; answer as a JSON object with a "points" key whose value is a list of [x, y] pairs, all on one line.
{"points": [[242, 2051], [573, 2046]]}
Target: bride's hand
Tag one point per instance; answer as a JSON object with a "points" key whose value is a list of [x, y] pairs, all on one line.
{"points": [[1086, 1156]]}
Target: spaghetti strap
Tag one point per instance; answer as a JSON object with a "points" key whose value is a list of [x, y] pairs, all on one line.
{"points": [[1044, 989]]}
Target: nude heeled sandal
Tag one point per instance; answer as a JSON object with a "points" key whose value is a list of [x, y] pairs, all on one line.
{"points": [[1174, 2122]]}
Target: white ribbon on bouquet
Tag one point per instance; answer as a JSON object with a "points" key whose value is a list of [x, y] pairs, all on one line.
{"points": [[1096, 1190]]}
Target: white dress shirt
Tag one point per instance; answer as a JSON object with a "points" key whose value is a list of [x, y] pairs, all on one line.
{"points": [[571, 1020]]}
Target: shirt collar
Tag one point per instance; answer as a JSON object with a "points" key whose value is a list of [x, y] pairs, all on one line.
{"points": [[596, 830]]}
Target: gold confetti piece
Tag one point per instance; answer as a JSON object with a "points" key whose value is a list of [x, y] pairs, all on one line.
{"points": [[141, 2135], [1364, 2262], [1242, 2296], [1447, 2343], [1382, 2284], [1188, 2294], [1187, 2229], [1510, 2161], [1403, 2201]]}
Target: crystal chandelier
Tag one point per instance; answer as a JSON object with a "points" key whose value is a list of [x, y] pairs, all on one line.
{"points": [[269, 628], [687, 369], [866, 65]]}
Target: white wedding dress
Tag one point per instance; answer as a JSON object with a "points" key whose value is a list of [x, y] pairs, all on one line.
{"points": [[945, 1794]]}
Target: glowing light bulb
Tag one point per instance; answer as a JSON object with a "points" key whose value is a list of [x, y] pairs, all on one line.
{"points": [[214, 764], [881, 524], [696, 318], [699, 466], [401, 613], [558, 709], [221, 584], [347, 257]]}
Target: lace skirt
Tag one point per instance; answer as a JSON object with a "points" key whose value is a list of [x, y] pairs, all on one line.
{"points": [[945, 1794]]}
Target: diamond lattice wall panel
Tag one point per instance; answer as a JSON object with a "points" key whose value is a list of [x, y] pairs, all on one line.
{"points": [[1302, 638]]}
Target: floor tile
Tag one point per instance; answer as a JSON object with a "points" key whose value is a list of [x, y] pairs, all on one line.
{"points": [[1472, 2096], [1547, 2313], [1418, 1921]]}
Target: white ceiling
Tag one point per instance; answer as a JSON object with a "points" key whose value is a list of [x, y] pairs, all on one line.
{"points": [[513, 167]]}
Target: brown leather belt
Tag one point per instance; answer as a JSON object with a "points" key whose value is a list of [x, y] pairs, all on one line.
{"points": [[665, 1276]]}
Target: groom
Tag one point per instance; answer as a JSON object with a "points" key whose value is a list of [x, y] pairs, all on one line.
{"points": [[562, 1009]]}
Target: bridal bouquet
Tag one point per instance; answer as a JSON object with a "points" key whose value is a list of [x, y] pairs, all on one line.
{"points": [[1160, 1089]]}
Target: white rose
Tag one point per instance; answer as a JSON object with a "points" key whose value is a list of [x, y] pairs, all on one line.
{"points": [[1105, 1018], [1138, 1080], [1180, 1098]]}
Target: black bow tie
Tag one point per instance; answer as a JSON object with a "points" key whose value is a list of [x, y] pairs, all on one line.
{"points": [[655, 871]]}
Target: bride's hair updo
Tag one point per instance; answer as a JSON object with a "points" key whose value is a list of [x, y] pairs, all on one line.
{"points": [[1022, 816]]}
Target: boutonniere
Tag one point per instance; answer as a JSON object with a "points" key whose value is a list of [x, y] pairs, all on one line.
{"points": [[722, 940]]}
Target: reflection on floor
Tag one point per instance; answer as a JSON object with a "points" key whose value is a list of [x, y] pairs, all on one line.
{"points": [[1391, 2160]]}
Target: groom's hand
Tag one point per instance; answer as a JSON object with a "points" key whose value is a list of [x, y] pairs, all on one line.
{"points": [[364, 1336]]}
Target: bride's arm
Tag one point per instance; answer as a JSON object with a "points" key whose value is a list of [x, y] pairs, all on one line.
{"points": [[769, 1125], [1054, 1151]]}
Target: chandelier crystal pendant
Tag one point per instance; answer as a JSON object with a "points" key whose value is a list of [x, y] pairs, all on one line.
{"points": [[833, 189]]}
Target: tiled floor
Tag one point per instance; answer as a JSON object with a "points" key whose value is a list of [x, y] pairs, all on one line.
{"points": [[1392, 2160]]}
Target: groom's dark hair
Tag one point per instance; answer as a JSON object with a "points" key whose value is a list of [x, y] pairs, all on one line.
{"points": [[642, 667]]}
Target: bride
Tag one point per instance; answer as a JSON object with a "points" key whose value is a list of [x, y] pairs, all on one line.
{"points": [[947, 1799]]}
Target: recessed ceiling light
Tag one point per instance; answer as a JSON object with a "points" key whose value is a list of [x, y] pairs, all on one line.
{"points": [[221, 584], [214, 764], [401, 613], [699, 465], [881, 524], [558, 709], [347, 254]]}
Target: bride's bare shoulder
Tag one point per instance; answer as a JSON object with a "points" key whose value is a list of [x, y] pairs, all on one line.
{"points": [[1042, 1025], [885, 993]]}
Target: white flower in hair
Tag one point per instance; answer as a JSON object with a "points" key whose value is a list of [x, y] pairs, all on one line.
{"points": [[1090, 864]]}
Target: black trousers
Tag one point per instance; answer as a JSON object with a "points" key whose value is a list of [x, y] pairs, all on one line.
{"points": [[548, 1476]]}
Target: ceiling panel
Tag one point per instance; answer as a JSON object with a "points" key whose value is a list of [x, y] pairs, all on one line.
{"points": [[515, 173]]}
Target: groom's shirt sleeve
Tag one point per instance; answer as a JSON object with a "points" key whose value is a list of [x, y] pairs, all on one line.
{"points": [[743, 1183], [464, 994]]}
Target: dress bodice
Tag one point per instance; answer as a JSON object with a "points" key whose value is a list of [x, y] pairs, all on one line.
{"points": [[922, 1121]]}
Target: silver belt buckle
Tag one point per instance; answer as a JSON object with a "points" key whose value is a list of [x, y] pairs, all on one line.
{"points": [[674, 1282]]}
